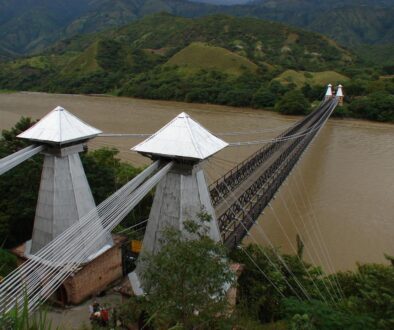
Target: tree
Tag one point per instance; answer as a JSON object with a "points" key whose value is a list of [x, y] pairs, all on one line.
{"points": [[7, 262], [264, 98], [313, 93], [187, 280], [262, 295], [311, 315], [19, 196], [293, 103], [370, 291], [376, 106], [277, 88]]}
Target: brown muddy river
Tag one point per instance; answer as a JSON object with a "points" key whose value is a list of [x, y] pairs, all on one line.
{"points": [[339, 198]]}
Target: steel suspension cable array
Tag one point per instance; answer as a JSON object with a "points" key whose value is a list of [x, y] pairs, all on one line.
{"points": [[112, 201], [68, 261], [299, 258], [122, 206], [320, 261], [265, 177], [238, 173], [44, 255], [270, 261], [139, 194], [325, 250], [142, 135], [324, 246], [9, 162], [279, 257], [324, 120]]}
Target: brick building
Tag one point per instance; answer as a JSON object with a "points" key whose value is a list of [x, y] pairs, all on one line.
{"points": [[91, 278]]}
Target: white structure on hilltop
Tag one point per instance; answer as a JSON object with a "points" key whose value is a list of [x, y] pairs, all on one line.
{"points": [[183, 193], [65, 195]]}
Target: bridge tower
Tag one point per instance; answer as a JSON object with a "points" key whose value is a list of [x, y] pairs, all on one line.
{"points": [[65, 195], [328, 95], [340, 95], [183, 192]]}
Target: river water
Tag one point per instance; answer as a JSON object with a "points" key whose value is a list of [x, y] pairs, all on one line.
{"points": [[339, 198]]}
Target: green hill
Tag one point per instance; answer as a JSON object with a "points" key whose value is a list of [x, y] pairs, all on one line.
{"points": [[302, 78], [147, 56], [84, 62], [199, 56]]}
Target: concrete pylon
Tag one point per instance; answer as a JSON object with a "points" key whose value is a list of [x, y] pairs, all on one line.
{"points": [[65, 196], [340, 95], [328, 94], [180, 196], [183, 193]]}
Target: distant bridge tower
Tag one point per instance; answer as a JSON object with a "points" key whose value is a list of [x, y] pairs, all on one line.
{"points": [[65, 195], [183, 192], [328, 95], [340, 95]]}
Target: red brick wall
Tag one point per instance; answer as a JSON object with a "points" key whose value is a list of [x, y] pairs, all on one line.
{"points": [[95, 276]]}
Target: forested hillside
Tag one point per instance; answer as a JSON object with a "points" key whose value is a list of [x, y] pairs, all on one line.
{"points": [[215, 59], [348, 22], [166, 49], [30, 26]]}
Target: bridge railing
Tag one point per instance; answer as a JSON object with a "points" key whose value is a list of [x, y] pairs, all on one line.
{"points": [[231, 179], [241, 215]]}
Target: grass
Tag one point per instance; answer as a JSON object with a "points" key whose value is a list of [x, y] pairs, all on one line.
{"points": [[199, 55], [84, 62], [7, 91], [300, 78]]}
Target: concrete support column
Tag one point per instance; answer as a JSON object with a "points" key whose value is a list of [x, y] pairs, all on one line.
{"points": [[64, 197], [181, 195]]}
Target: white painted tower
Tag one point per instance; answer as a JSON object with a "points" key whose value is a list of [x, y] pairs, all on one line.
{"points": [[65, 195], [183, 192], [339, 94], [328, 95]]}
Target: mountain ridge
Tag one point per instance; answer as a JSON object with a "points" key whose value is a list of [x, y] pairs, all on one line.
{"points": [[28, 27]]}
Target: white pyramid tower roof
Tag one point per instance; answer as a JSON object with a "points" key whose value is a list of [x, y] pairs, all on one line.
{"points": [[59, 126], [182, 137], [339, 91], [329, 90]]}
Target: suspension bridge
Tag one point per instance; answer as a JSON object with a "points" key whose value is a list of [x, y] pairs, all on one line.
{"points": [[70, 230]]}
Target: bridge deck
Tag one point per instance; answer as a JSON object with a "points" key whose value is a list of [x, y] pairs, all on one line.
{"points": [[248, 196]]}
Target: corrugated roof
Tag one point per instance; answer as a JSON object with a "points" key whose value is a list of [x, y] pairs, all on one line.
{"points": [[183, 137], [59, 126]]}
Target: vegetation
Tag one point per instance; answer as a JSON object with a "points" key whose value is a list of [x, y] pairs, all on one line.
{"points": [[293, 103], [216, 59], [198, 56], [366, 295], [29, 27], [187, 280], [301, 78], [7, 263], [275, 291], [20, 319]]}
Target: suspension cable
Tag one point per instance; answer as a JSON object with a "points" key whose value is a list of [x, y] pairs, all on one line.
{"points": [[269, 259]]}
